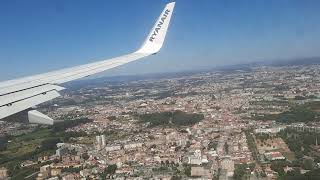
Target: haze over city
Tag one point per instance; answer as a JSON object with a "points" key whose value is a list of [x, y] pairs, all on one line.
{"points": [[38, 36]]}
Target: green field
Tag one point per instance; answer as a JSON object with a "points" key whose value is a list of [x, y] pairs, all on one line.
{"points": [[26, 143], [30, 146], [24, 147], [308, 112]]}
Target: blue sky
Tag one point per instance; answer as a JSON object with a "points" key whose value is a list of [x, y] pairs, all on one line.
{"points": [[41, 35]]}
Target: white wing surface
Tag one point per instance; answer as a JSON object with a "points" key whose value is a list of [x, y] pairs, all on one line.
{"points": [[20, 95]]}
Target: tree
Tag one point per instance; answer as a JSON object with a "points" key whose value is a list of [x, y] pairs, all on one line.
{"points": [[85, 156], [162, 163], [187, 170], [175, 118], [226, 147], [278, 167], [308, 164], [296, 163], [61, 126], [212, 145], [112, 118], [172, 164], [239, 171], [167, 162], [49, 144], [3, 143], [111, 169], [176, 177], [294, 172]]}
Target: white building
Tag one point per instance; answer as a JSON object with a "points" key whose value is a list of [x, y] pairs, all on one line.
{"points": [[196, 158], [273, 130], [113, 148], [3, 173], [103, 141], [98, 142], [228, 165], [132, 145], [274, 156]]}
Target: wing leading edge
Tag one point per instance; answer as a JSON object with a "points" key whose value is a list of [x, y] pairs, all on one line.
{"points": [[24, 93]]}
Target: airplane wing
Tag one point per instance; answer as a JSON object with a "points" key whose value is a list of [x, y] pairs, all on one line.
{"points": [[17, 97]]}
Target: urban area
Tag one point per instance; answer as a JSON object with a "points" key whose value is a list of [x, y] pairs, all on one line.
{"points": [[255, 122]]}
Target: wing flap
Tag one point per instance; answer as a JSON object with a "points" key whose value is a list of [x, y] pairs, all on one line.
{"points": [[8, 110], [27, 93]]}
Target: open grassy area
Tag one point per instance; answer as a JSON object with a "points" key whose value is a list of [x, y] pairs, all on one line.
{"points": [[308, 112], [84, 140], [26, 143], [274, 144], [21, 148], [30, 146], [289, 155]]}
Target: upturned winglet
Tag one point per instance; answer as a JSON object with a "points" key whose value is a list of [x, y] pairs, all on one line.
{"points": [[156, 37]]}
